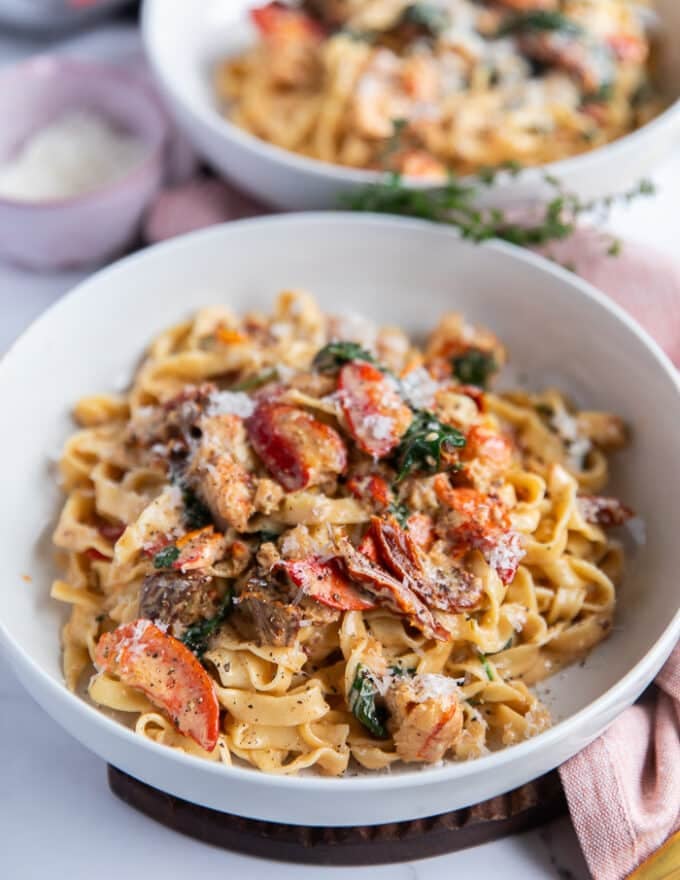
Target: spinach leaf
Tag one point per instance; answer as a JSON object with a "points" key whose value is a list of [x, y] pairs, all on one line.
{"points": [[400, 512], [475, 367], [394, 142], [428, 17], [264, 536], [397, 671], [335, 354], [362, 702], [422, 445], [357, 35], [540, 20], [257, 381], [602, 95], [197, 636], [487, 666], [196, 513], [165, 557]]}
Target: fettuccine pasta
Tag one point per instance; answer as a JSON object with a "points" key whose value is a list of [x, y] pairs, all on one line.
{"points": [[427, 88], [300, 541]]}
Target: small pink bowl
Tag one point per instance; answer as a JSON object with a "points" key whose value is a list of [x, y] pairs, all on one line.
{"points": [[89, 228]]}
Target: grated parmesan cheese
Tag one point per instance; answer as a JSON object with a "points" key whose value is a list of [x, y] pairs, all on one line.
{"points": [[291, 548], [516, 615], [133, 645], [577, 452], [505, 552], [281, 329], [422, 687], [577, 445], [430, 686], [75, 154], [419, 388], [174, 496], [565, 425], [236, 403], [351, 327], [379, 427]]}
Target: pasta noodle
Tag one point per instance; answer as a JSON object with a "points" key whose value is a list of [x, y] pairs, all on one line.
{"points": [[428, 88], [302, 542]]}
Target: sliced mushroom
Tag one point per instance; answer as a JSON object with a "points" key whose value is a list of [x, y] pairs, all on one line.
{"points": [[178, 600], [263, 612]]}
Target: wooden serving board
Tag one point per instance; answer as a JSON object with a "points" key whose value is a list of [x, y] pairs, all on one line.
{"points": [[519, 810]]}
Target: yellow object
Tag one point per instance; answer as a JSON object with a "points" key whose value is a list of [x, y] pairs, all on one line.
{"points": [[664, 864]]}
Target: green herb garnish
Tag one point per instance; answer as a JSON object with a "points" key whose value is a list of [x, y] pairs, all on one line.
{"points": [[165, 557], [488, 175], [544, 410], [264, 536], [394, 142], [358, 36], [400, 512], [335, 354], [397, 671], [455, 204], [197, 636], [251, 383], [475, 367], [615, 248], [196, 513], [487, 666], [426, 16], [362, 702], [603, 94], [540, 20], [422, 445]]}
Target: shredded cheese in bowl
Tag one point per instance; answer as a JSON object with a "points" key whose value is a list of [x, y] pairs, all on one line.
{"points": [[76, 153]]}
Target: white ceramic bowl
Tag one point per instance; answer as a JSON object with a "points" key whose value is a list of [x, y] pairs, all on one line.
{"points": [[556, 328], [92, 227], [183, 41]]}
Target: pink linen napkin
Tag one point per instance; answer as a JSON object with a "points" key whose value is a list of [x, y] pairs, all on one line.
{"points": [[645, 282], [623, 790]]}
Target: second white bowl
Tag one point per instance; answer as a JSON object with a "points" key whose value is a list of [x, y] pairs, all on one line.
{"points": [[183, 41]]}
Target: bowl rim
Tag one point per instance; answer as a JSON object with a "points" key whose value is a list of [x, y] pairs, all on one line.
{"points": [[51, 66], [625, 689], [221, 126]]}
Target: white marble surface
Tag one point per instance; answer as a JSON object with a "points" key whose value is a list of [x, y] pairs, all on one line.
{"points": [[57, 816]]}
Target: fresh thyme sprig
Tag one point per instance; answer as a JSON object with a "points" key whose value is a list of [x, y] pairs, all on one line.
{"points": [[198, 635], [455, 204]]}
